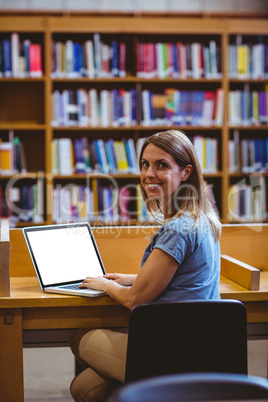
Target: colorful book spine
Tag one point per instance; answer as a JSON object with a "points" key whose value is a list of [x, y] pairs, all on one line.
{"points": [[7, 58]]}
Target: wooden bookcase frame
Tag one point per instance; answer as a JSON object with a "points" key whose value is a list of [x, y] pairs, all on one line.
{"points": [[135, 25]]}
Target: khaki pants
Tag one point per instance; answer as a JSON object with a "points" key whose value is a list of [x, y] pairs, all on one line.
{"points": [[102, 355]]}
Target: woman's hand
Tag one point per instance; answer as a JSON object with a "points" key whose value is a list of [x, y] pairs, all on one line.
{"points": [[96, 283], [121, 279], [102, 282]]}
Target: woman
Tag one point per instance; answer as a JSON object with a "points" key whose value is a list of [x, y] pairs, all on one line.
{"points": [[182, 262]]}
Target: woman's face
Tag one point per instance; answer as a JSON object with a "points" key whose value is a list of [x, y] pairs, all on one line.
{"points": [[160, 175]]}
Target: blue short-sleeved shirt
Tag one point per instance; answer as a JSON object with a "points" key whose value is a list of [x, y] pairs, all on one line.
{"points": [[198, 256]]}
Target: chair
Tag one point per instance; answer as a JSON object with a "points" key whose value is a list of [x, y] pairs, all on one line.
{"points": [[192, 336], [194, 387]]}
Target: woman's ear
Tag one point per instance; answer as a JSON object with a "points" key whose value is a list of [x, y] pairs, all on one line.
{"points": [[187, 172]]}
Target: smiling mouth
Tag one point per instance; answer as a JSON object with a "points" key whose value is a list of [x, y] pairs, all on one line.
{"points": [[152, 186]]}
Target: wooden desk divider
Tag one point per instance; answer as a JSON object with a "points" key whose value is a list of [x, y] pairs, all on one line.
{"points": [[4, 259], [240, 272]]}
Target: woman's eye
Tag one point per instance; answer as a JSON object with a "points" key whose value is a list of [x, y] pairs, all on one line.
{"points": [[162, 165], [145, 165]]}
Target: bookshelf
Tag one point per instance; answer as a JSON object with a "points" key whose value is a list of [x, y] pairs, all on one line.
{"points": [[27, 110]]}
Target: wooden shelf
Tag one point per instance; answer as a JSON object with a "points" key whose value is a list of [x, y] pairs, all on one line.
{"points": [[136, 128], [135, 80], [97, 176], [21, 126], [28, 175], [22, 79]]}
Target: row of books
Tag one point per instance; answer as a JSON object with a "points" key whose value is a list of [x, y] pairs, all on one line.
{"points": [[105, 204], [92, 59], [12, 156], [117, 156], [174, 107], [98, 156], [179, 60], [91, 108], [248, 108], [20, 58], [248, 201], [247, 155], [248, 60], [23, 204]]}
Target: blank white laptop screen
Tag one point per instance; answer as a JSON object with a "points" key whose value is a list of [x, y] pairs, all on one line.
{"points": [[63, 253]]}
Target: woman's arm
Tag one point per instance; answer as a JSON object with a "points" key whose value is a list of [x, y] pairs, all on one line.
{"points": [[151, 281], [121, 279]]}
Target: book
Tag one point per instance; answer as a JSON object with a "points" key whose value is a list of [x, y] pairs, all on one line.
{"points": [[22, 163], [115, 63], [69, 58], [66, 165], [183, 112], [54, 152], [121, 157], [86, 155], [146, 108], [82, 108], [127, 99], [110, 152], [199, 145], [105, 107], [208, 108], [76, 60], [105, 60], [131, 155], [6, 158], [197, 108], [35, 60], [122, 59], [213, 58], [7, 58], [196, 60], [80, 166], [1, 62], [123, 203], [93, 108], [15, 54], [259, 154], [89, 57], [218, 120], [94, 158], [72, 108], [101, 155], [114, 107], [97, 54], [134, 107]]}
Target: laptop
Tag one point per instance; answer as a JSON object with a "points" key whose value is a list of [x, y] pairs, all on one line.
{"points": [[63, 256]]}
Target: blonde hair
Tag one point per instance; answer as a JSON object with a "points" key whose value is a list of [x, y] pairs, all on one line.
{"points": [[191, 197]]}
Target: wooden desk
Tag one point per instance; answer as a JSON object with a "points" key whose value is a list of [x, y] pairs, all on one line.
{"points": [[30, 311]]}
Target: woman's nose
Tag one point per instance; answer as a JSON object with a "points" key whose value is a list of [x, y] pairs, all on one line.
{"points": [[150, 172]]}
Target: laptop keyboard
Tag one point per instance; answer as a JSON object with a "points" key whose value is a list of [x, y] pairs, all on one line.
{"points": [[74, 286]]}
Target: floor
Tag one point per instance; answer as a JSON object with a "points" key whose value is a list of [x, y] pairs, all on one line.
{"points": [[48, 372]]}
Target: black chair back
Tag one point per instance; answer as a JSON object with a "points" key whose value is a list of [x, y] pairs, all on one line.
{"points": [[192, 336]]}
